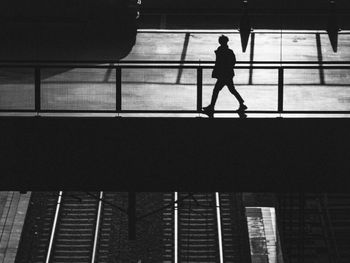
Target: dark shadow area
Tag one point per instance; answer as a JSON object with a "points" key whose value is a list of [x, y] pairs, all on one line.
{"points": [[26, 75], [226, 14], [161, 154], [162, 21], [251, 57], [183, 56], [62, 30], [320, 57], [229, 6], [107, 75]]}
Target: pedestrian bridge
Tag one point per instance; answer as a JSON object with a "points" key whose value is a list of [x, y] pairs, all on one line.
{"points": [[168, 88]]}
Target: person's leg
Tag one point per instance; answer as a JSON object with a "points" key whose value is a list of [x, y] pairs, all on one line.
{"points": [[218, 86], [235, 93]]}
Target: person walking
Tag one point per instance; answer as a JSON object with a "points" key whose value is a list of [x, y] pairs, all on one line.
{"points": [[224, 73]]}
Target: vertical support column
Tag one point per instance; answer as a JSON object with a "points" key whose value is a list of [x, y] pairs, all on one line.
{"points": [[118, 92], [320, 58], [199, 89], [37, 89], [280, 89], [251, 57], [132, 215]]}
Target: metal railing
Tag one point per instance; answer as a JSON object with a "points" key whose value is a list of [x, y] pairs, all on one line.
{"points": [[97, 229], [53, 230], [199, 66]]}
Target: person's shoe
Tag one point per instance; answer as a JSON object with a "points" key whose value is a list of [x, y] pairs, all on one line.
{"points": [[242, 107], [208, 111], [208, 108]]}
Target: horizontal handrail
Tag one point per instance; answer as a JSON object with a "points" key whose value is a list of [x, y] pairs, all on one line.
{"points": [[167, 66], [313, 112], [151, 62]]}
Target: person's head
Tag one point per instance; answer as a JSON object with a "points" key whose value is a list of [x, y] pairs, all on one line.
{"points": [[223, 40]]}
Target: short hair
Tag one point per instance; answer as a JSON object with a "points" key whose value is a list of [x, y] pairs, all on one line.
{"points": [[223, 40]]}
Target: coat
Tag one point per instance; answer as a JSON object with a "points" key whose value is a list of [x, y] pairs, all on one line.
{"points": [[224, 63]]}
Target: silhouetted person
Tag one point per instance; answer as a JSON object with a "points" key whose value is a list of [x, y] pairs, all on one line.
{"points": [[223, 72]]}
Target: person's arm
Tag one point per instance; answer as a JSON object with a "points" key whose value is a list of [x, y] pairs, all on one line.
{"points": [[214, 72], [233, 59]]}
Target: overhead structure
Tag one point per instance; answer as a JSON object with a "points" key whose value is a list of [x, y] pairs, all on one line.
{"points": [[333, 26], [67, 30], [245, 26]]}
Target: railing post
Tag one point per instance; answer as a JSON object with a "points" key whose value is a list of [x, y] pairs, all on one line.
{"points": [[118, 92], [199, 88], [37, 89], [280, 89]]}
